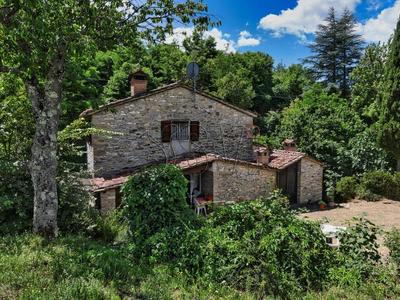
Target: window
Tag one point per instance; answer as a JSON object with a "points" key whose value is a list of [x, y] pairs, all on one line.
{"points": [[179, 131]]}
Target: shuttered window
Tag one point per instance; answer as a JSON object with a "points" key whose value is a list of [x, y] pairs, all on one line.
{"points": [[180, 131], [166, 131], [194, 131]]}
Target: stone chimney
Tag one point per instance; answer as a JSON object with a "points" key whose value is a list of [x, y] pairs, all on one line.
{"points": [[289, 145], [263, 155], [139, 82]]}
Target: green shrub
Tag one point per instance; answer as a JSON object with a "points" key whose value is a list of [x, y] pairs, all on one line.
{"points": [[346, 189], [16, 198], [392, 241], [156, 200], [109, 227], [359, 247], [260, 246], [375, 185], [75, 215], [396, 188]]}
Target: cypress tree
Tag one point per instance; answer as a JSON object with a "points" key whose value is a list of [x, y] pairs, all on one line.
{"points": [[389, 122], [337, 48]]}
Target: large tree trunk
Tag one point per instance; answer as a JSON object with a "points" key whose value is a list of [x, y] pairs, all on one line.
{"points": [[43, 166]]}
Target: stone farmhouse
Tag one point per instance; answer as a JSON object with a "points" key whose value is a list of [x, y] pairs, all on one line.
{"points": [[209, 139]]}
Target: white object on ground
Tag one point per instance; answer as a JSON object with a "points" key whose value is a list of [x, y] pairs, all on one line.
{"points": [[331, 233]]}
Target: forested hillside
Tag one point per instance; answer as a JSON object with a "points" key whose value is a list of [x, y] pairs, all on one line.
{"points": [[340, 105]]}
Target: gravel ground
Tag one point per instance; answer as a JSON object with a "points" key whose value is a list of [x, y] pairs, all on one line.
{"points": [[384, 213]]}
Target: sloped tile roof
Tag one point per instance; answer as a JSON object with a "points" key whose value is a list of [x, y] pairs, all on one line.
{"points": [[281, 159], [184, 163]]}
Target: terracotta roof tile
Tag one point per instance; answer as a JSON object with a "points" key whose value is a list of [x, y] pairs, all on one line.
{"points": [[280, 159], [185, 163]]}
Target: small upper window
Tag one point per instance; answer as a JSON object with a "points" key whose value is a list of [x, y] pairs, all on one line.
{"points": [[180, 131]]}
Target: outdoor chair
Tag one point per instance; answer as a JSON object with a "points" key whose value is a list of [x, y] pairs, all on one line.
{"points": [[200, 207]]}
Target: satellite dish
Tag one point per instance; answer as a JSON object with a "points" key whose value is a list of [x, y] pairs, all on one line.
{"points": [[193, 70]]}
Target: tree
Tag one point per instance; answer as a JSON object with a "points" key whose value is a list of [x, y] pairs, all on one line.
{"points": [[322, 124], [289, 84], [389, 120], [336, 50], [367, 80], [237, 88], [251, 71], [39, 38]]}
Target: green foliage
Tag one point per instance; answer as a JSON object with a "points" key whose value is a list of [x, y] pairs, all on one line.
{"points": [[358, 253], [110, 227], [346, 189], [392, 241], [378, 184], [366, 155], [322, 124], [359, 241], [75, 213], [237, 87], [368, 80], [156, 200], [289, 84], [389, 120], [16, 205], [252, 71], [16, 120], [336, 50], [259, 246]]}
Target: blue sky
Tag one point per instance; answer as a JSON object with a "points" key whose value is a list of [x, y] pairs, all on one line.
{"points": [[282, 28]]}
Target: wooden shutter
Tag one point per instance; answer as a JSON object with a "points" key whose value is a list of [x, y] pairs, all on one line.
{"points": [[194, 131], [166, 131]]}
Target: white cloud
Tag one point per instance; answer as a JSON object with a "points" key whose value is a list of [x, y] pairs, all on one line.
{"points": [[304, 18], [380, 28], [222, 40], [179, 35], [246, 39], [222, 43]]}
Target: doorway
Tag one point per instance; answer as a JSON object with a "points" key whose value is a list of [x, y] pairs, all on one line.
{"points": [[287, 182]]}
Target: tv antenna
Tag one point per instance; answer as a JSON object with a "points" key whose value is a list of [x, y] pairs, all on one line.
{"points": [[193, 71]]}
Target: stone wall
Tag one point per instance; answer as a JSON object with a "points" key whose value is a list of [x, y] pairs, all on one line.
{"points": [[236, 182], [107, 200], [310, 181], [223, 130]]}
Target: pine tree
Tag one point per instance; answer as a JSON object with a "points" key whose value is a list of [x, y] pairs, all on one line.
{"points": [[336, 50], [389, 122]]}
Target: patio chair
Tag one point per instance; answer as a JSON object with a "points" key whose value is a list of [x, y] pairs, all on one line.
{"points": [[199, 207]]}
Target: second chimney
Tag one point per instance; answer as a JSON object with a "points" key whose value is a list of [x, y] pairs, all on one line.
{"points": [[289, 145], [139, 82], [263, 155]]}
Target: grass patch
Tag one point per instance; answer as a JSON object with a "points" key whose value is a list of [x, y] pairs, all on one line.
{"points": [[76, 267]]}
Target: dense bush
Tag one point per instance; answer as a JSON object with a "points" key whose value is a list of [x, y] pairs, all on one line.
{"points": [[392, 241], [16, 204], [156, 200], [75, 214], [378, 184], [260, 246], [346, 189], [109, 227]]}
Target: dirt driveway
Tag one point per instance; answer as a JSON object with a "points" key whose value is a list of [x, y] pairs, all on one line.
{"points": [[385, 213]]}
